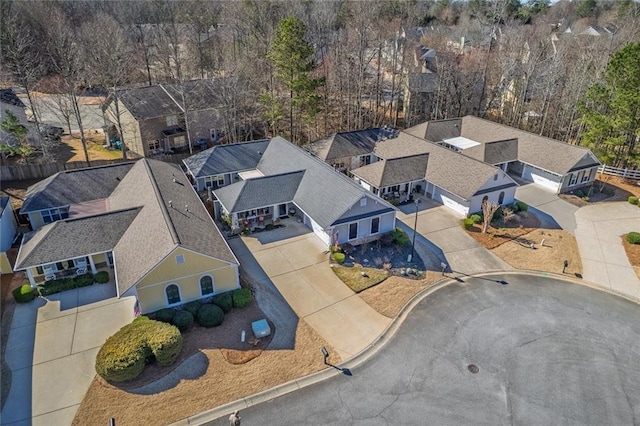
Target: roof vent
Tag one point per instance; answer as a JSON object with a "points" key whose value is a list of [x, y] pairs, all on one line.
{"points": [[170, 203], [186, 207]]}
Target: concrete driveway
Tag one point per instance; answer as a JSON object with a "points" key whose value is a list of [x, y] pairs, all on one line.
{"points": [[52, 348], [295, 260], [604, 260], [555, 212], [441, 229], [548, 352]]}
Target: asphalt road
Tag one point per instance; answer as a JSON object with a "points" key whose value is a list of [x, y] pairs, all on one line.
{"points": [[548, 352]]}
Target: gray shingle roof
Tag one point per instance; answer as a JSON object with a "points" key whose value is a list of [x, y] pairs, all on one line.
{"points": [[350, 144], [226, 158], [148, 102], [260, 192], [71, 238], [74, 186], [395, 171], [4, 201], [497, 152], [8, 96]]}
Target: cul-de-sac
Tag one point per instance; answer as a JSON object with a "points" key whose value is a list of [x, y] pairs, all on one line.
{"points": [[341, 212]]}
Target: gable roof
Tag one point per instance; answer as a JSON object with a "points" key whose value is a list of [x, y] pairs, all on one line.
{"points": [[8, 96], [260, 192], [226, 158], [350, 144], [71, 238], [395, 171], [322, 193], [74, 186], [4, 202]]}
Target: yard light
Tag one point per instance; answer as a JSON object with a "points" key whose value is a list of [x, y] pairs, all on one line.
{"points": [[444, 267], [344, 371], [415, 226], [566, 265]]}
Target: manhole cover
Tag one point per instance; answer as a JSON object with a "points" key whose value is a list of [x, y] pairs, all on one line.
{"points": [[473, 368]]}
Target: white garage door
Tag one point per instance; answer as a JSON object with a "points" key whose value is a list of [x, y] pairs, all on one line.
{"points": [[542, 178], [317, 229], [443, 197]]}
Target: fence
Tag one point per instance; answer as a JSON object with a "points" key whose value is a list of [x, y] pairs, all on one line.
{"points": [[617, 171], [44, 170]]}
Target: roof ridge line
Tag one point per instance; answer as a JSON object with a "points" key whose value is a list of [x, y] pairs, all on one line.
{"points": [[72, 219], [172, 98], [163, 208]]}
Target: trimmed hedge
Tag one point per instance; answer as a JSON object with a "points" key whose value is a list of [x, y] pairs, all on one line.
{"points": [[210, 316], [164, 315], [23, 294], [101, 277], [124, 355], [64, 284], [467, 223], [633, 200], [224, 302], [476, 218], [633, 237], [192, 307], [183, 320], [241, 298], [339, 257]]}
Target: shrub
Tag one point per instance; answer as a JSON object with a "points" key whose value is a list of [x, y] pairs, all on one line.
{"points": [[476, 218], [192, 307], [101, 277], [56, 286], [224, 302], [578, 193], [83, 280], [210, 316], [183, 320], [633, 237], [400, 238], [241, 298], [141, 318], [164, 315], [522, 207], [514, 208], [268, 227], [467, 223], [339, 257], [633, 200], [23, 294], [386, 239], [347, 248], [123, 356]]}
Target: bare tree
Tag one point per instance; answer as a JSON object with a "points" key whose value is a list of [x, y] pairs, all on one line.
{"points": [[489, 208]]}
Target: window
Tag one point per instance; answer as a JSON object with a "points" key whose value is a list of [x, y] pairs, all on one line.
{"points": [[214, 181], [574, 179], [495, 177], [179, 141], [375, 225], [52, 215], [154, 145], [501, 197], [587, 176], [180, 259], [363, 202], [353, 230], [206, 285], [485, 199], [173, 294]]}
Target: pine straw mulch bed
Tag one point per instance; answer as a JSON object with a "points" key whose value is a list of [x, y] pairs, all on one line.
{"points": [[633, 253], [8, 282], [392, 294], [522, 224]]}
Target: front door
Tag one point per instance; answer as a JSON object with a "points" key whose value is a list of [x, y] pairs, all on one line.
{"points": [[282, 210]]}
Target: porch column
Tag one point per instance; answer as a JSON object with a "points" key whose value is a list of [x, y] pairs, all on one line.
{"points": [[32, 280], [93, 265]]}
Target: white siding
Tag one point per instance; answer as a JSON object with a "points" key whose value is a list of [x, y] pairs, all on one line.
{"points": [[476, 202]]}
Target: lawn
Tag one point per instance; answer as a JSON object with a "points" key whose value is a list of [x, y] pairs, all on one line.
{"points": [[359, 278], [72, 148]]}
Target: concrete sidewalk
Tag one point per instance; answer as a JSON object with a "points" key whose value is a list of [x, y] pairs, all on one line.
{"points": [[52, 348], [297, 266], [604, 260]]}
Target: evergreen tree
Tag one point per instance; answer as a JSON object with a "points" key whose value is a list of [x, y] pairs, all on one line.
{"points": [[12, 125], [611, 110]]}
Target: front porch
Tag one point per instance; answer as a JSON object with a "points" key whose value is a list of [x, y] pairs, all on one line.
{"points": [[69, 268]]}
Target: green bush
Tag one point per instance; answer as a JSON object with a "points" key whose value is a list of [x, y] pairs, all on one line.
{"points": [[224, 302], [164, 315], [23, 294], [56, 286], [101, 277], [83, 280], [633, 237], [400, 238], [339, 257], [268, 227], [241, 298], [633, 200], [386, 239], [476, 218], [141, 318], [522, 206], [192, 307], [183, 320], [210, 316], [467, 223], [124, 355]]}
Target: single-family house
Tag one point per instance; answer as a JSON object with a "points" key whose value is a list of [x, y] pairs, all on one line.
{"points": [[287, 180], [408, 164], [153, 118], [555, 165], [142, 222], [8, 228]]}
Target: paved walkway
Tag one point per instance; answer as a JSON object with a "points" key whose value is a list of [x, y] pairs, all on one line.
{"points": [[441, 230], [555, 212], [296, 263], [51, 351], [604, 260]]}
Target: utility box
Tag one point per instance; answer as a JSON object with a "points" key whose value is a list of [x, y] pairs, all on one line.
{"points": [[261, 328]]}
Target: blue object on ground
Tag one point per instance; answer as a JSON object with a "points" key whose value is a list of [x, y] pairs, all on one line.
{"points": [[261, 328]]}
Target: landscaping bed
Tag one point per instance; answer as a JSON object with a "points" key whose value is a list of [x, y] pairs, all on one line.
{"points": [[358, 278], [500, 232], [633, 254]]}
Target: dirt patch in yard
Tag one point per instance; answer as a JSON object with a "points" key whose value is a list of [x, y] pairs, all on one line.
{"points": [[522, 224], [71, 148], [392, 294], [221, 383], [633, 253], [559, 245]]}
